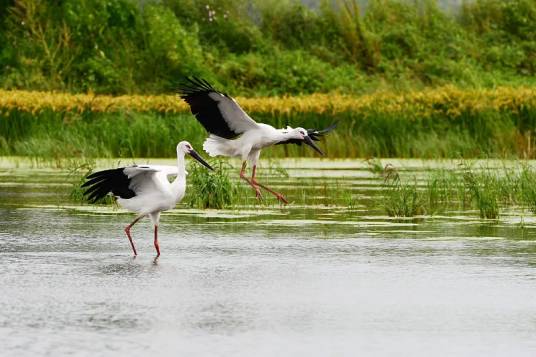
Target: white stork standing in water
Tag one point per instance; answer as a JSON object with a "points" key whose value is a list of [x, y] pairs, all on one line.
{"points": [[233, 133], [144, 189]]}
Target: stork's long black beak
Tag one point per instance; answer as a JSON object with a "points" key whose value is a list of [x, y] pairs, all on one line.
{"points": [[196, 156], [311, 143]]}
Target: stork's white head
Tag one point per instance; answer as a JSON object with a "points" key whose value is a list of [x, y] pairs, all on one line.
{"points": [[299, 133], [294, 133], [186, 148]]}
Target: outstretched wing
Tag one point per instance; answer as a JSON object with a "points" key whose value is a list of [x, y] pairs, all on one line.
{"points": [[219, 113], [314, 134], [103, 182], [127, 182]]}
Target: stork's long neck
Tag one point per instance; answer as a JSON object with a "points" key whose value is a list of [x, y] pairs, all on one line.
{"points": [[283, 135], [178, 185]]}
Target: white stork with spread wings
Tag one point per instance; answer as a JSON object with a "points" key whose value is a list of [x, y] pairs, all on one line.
{"points": [[233, 133], [144, 189]]}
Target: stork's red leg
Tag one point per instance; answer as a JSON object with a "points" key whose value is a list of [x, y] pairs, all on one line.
{"points": [[251, 183], [127, 231], [157, 247], [279, 196]]}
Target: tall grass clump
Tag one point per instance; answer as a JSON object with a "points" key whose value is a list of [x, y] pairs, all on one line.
{"points": [[483, 189], [209, 189], [404, 201], [443, 190], [467, 187], [527, 188]]}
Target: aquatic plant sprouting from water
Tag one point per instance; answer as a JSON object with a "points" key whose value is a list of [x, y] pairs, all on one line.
{"points": [[483, 190], [210, 189], [375, 166], [527, 188], [402, 199], [442, 191]]}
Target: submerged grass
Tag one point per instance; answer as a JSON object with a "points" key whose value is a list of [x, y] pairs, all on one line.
{"points": [[223, 189]]}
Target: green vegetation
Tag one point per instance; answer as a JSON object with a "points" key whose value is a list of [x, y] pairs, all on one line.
{"points": [[55, 135], [211, 189], [78, 173], [484, 189], [467, 187], [255, 47], [403, 200]]}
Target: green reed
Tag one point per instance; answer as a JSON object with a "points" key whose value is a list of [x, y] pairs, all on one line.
{"points": [[209, 189], [78, 173], [51, 135], [485, 189]]}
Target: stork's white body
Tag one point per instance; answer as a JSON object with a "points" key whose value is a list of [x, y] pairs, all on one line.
{"points": [[247, 146], [154, 192], [144, 189]]}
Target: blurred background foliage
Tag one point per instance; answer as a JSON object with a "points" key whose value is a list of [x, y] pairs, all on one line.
{"points": [[265, 47]]}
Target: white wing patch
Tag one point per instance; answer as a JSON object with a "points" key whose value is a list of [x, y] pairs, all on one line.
{"points": [[235, 117], [149, 178], [135, 170]]}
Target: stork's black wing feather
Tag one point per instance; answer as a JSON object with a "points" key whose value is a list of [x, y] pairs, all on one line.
{"points": [[314, 134], [216, 111], [196, 92], [103, 182]]}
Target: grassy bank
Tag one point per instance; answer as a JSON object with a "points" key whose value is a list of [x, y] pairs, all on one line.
{"points": [[442, 123]]}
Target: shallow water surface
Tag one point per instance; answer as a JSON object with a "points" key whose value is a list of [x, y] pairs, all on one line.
{"points": [[316, 281]]}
